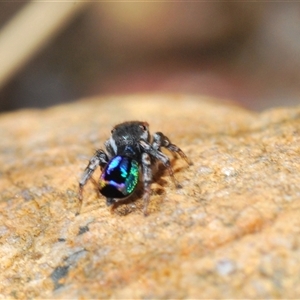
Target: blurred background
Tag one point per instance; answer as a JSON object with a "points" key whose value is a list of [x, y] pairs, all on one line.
{"points": [[55, 52]]}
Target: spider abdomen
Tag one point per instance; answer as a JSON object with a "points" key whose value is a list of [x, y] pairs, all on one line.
{"points": [[119, 177]]}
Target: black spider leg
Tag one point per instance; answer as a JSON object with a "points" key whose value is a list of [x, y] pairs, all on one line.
{"points": [[111, 152], [100, 158], [160, 140], [149, 150], [147, 180], [109, 149]]}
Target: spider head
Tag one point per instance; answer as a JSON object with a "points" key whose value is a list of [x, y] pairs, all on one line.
{"points": [[129, 134]]}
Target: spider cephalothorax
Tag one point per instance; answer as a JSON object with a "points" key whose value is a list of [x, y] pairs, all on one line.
{"points": [[130, 153]]}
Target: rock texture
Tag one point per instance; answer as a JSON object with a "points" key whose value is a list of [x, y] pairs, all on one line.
{"points": [[232, 231]]}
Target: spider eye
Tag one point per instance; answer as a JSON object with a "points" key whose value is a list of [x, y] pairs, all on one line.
{"points": [[113, 130]]}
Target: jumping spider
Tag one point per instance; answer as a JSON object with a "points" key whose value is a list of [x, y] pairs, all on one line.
{"points": [[129, 153]]}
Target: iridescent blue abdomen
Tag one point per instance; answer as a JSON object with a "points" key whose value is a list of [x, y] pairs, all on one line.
{"points": [[119, 178]]}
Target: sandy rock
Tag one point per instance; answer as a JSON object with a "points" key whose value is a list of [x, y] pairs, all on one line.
{"points": [[232, 231]]}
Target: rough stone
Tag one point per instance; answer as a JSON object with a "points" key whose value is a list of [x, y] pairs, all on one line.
{"points": [[232, 231]]}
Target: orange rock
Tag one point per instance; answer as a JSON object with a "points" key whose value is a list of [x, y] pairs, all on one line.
{"points": [[232, 231]]}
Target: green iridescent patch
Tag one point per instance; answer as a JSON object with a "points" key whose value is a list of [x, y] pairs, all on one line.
{"points": [[133, 177]]}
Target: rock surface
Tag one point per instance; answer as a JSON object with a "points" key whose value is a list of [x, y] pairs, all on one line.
{"points": [[232, 231]]}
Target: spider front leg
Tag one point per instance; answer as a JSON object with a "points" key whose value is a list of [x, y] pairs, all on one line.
{"points": [[156, 153], [99, 159], [160, 140], [147, 180]]}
